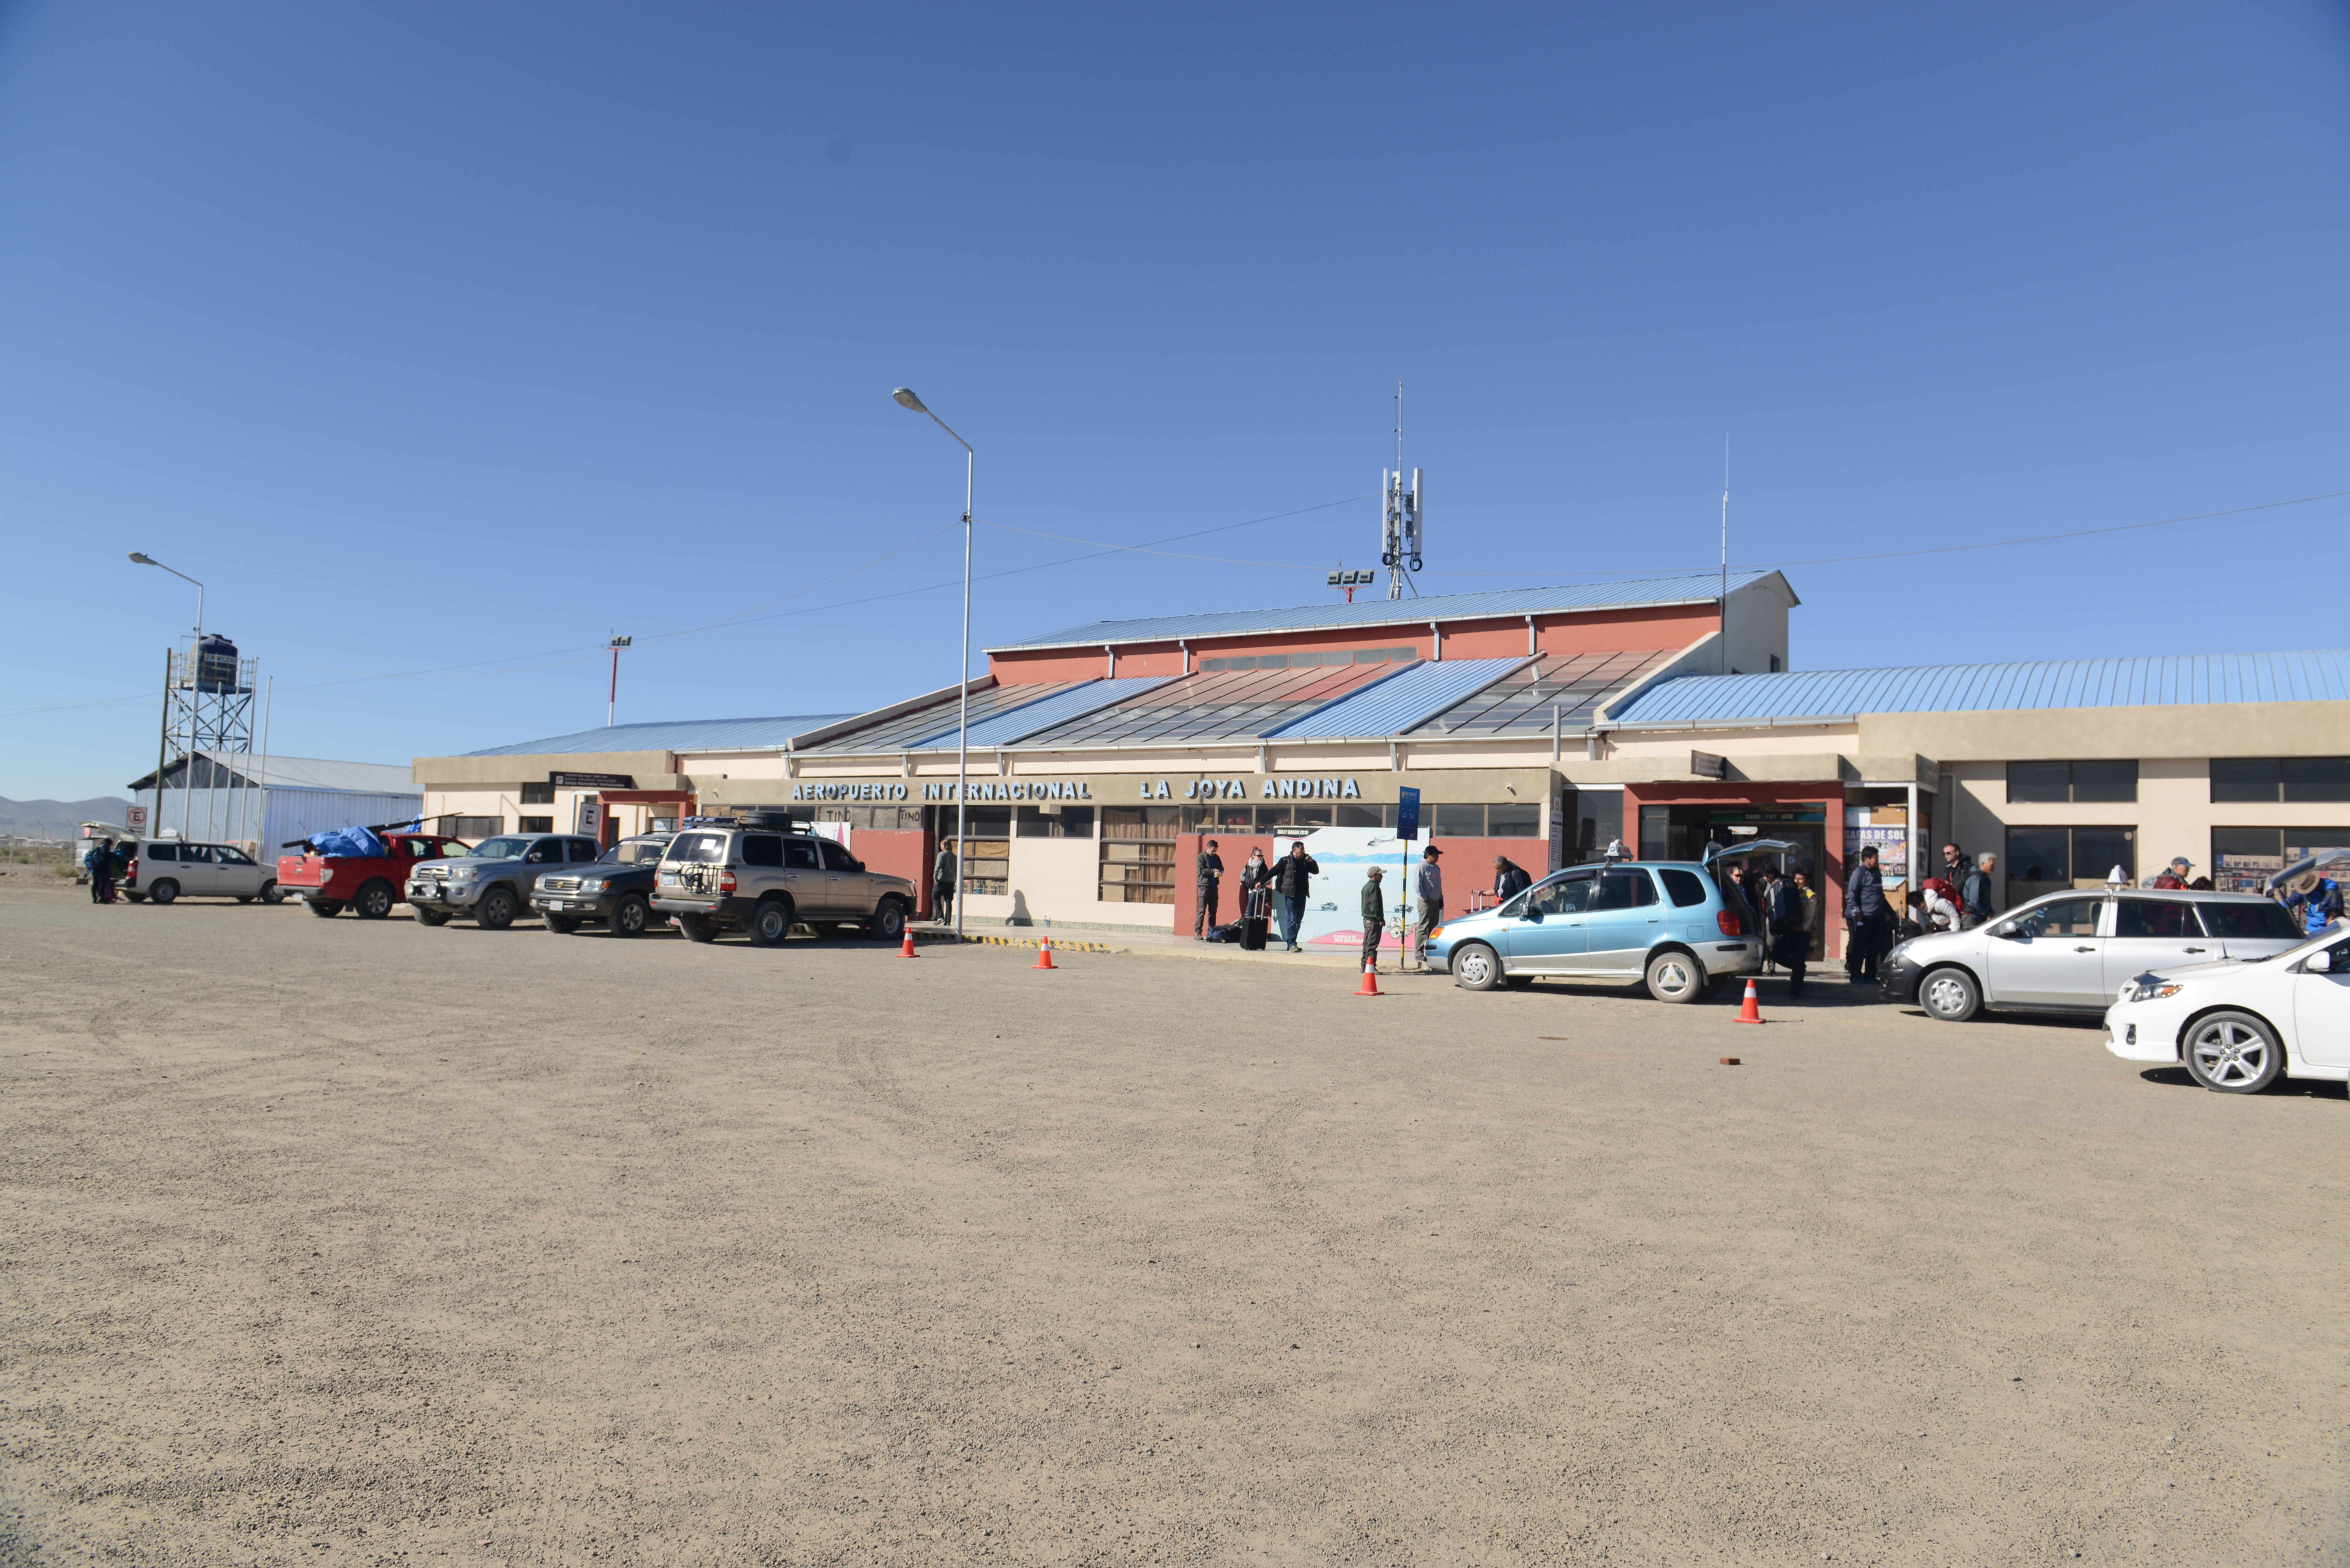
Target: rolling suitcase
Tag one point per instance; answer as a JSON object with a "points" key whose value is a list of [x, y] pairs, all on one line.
{"points": [[1254, 923]]}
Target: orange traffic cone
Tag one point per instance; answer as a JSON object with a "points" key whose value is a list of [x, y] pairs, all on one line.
{"points": [[1371, 986], [1753, 1012], [907, 950], [1045, 956]]}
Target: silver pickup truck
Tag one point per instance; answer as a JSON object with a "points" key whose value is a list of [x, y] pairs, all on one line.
{"points": [[491, 883]]}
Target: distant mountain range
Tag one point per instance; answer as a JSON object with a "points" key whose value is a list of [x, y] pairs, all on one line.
{"points": [[56, 818]]}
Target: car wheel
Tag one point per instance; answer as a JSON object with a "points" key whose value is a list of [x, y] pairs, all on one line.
{"points": [[324, 909], [271, 893], [888, 920], [1476, 967], [772, 923], [433, 917], [1950, 995], [630, 916], [2234, 1054], [163, 892], [562, 925], [495, 910], [374, 902], [698, 927], [1676, 977]]}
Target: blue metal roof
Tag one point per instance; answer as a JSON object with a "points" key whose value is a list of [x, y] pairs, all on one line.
{"points": [[2188, 680], [1367, 613], [1391, 706], [671, 735], [1067, 702]]}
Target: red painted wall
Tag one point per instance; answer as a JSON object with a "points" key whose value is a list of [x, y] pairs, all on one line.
{"points": [[1468, 864], [1828, 795], [900, 855], [1602, 631]]}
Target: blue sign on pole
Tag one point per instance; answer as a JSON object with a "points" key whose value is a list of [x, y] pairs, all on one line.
{"points": [[1407, 812]]}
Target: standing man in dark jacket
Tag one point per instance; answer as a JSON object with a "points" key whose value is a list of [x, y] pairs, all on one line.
{"points": [[102, 873], [1292, 878], [1375, 914], [1789, 944], [1508, 879], [1210, 868], [1865, 912], [942, 886]]}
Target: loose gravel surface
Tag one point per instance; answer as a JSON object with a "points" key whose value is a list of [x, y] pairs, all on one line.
{"points": [[345, 1241]]}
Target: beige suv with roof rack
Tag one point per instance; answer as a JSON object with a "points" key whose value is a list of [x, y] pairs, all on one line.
{"points": [[764, 873]]}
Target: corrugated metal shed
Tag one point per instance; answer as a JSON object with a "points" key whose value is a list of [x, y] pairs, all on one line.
{"points": [[1368, 613], [1391, 706], [1011, 724], [671, 735], [2188, 679], [239, 770]]}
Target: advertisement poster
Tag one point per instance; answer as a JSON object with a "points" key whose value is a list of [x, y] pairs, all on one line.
{"points": [[1891, 838], [1334, 909]]}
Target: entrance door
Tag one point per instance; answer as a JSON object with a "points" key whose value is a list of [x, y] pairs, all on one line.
{"points": [[1549, 937], [2050, 956]]}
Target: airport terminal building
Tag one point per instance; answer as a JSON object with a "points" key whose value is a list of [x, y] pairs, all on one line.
{"points": [[1537, 723]]}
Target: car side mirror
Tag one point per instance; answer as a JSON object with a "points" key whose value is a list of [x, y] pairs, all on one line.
{"points": [[1530, 913], [2005, 930], [2319, 962]]}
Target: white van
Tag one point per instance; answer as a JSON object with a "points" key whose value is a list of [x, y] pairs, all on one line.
{"points": [[166, 870]]}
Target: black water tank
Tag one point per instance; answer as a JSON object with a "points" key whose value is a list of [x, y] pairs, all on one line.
{"points": [[215, 664]]}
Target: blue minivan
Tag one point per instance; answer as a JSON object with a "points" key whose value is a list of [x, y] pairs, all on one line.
{"points": [[1677, 927]]}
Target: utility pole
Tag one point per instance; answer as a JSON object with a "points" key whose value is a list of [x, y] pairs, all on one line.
{"points": [[612, 699]]}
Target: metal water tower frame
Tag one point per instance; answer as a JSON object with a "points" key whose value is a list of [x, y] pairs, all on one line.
{"points": [[207, 708]]}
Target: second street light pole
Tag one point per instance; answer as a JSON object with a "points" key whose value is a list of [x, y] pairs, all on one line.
{"points": [[906, 400], [188, 764]]}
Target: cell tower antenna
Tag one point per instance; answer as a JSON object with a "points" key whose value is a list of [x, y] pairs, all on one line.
{"points": [[1401, 539], [1721, 608]]}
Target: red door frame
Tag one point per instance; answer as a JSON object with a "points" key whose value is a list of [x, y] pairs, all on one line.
{"points": [[1829, 796]]}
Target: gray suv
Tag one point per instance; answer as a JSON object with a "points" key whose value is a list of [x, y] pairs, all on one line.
{"points": [[490, 882], [745, 875]]}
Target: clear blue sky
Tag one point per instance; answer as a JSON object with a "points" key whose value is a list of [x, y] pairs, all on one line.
{"points": [[438, 335]]}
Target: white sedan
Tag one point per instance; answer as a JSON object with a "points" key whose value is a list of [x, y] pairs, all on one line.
{"points": [[2241, 1027]]}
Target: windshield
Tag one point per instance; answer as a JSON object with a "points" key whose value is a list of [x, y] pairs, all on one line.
{"points": [[500, 849], [633, 852]]}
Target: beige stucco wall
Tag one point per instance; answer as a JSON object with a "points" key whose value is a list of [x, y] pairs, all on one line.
{"points": [[1060, 879], [2204, 730]]}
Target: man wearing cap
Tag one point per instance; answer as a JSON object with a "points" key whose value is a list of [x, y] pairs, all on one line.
{"points": [[1210, 870], [1429, 886], [1375, 913], [2177, 874]]}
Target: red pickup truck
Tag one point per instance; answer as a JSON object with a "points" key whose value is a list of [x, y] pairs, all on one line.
{"points": [[369, 885]]}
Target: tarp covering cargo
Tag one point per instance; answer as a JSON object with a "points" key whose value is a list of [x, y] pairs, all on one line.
{"points": [[358, 843]]}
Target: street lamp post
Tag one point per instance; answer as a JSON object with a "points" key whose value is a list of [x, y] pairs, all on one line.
{"points": [[906, 400], [187, 800], [612, 701]]}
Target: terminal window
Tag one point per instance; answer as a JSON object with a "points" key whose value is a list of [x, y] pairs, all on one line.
{"points": [[1138, 853], [2044, 859], [472, 829], [2046, 783], [2288, 779], [538, 794], [537, 825], [1069, 821], [1307, 660]]}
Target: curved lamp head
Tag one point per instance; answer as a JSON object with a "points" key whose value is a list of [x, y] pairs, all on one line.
{"points": [[142, 560], [906, 400]]}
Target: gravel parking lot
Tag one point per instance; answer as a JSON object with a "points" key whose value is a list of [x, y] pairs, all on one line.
{"points": [[332, 1241]]}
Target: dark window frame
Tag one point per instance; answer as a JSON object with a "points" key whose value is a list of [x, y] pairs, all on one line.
{"points": [[2036, 782]]}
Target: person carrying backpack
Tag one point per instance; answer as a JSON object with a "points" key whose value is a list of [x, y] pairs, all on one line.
{"points": [[2317, 909]]}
